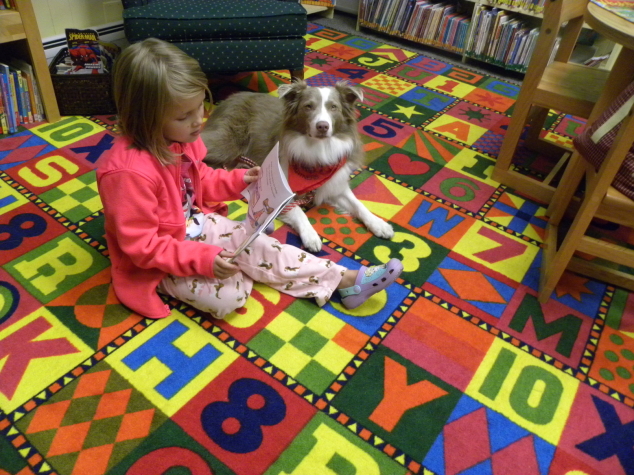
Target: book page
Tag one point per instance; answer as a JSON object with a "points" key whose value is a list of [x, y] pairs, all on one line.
{"points": [[267, 197]]}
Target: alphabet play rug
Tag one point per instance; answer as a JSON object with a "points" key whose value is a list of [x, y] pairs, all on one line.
{"points": [[455, 369]]}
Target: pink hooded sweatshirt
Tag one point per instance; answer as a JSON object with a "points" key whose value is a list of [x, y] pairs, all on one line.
{"points": [[145, 223]]}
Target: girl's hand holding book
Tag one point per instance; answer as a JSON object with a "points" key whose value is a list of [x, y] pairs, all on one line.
{"points": [[223, 267], [253, 174]]}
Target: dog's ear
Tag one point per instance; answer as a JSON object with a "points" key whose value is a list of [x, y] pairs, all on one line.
{"points": [[289, 92], [349, 93]]}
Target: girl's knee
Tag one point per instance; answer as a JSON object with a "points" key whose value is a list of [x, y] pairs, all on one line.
{"points": [[220, 312], [222, 303]]}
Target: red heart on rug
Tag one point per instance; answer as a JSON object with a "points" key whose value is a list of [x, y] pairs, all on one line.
{"points": [[401, 164]]}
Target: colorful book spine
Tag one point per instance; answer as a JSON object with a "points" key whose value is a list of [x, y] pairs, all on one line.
{"points": [[36, 108], [4, 124], [16, 91], [27, 97], [8, 103], [11, 97]]}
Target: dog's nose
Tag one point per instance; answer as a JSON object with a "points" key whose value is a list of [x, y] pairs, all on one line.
{"points": [[322, 126]]}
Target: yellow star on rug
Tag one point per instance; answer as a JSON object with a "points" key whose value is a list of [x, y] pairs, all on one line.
{"points": [[406, 111]]}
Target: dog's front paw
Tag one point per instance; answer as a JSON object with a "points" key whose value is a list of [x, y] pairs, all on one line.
{"points": [[381, 229], [311, 240]]}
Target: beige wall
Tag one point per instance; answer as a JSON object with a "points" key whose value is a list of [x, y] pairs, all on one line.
{"points": [[53, 16]]}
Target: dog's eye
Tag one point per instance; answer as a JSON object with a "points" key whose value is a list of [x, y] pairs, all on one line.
{"points": [[308, 107], [333, 107]]}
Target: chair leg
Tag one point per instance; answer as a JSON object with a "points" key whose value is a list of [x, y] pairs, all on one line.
{"points": [[536, 120], [573, 175], [557, 259], [553, 268], [511, 139], [297, 75]]}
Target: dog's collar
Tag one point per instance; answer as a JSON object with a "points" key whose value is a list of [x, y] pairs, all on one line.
{"points": [[303, 179]]}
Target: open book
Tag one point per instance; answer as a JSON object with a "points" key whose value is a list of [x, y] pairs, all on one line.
{"points": [[267, 197]]}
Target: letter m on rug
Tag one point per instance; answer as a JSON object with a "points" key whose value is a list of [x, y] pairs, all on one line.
{"points": [[568, 326], [398, 396]]}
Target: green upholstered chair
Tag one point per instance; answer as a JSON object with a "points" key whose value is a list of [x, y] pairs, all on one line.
{"points": [[225, 36]]}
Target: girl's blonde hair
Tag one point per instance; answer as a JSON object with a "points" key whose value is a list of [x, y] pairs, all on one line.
{"points": [[149, 77]]}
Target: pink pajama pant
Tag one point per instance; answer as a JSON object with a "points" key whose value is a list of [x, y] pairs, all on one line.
{"points": [[283, 267]]}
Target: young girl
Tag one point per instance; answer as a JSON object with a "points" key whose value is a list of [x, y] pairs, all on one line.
{"points": [[165, 218]]}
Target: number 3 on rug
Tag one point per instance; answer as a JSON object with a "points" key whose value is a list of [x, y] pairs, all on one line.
{"points": [[410, 255]]}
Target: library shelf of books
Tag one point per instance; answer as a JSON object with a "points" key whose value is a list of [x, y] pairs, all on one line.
{"points": [[500, 32], [22, 53]]}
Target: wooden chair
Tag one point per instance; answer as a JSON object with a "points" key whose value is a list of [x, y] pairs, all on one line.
{"points": [[561, 85], [600, 199]]}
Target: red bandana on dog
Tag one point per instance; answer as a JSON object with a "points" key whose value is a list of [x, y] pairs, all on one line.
{"points": [[304, 180]]}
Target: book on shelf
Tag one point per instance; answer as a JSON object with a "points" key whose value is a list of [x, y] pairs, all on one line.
{"points": [[445, 25], [267, 198], [503, 41], [496, 32], [387, 19], [21, 100], [533, 34], [420, 32], [9, 95], [479, 30], [394, 26], [483, 30], [26, 117], [7, 102], [526, 46], [452, 29], [515, 27], [4, 116], [34, 97], [519, 42], [14, 90], [380, 11], [460, 36], [399, 19], [432, 27], [376, 10], [442, 23], [476, 20], [420, 10], [407, 14]]}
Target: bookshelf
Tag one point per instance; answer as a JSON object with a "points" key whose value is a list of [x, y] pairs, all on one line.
{"points": [[458, 26], [516, 19], [20, 36]]}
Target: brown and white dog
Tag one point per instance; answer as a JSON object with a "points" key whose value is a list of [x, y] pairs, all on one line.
{"points": [[319, 146]]}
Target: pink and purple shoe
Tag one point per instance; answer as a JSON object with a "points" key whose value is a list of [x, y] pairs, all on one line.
{"points": [[370, 280]]}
